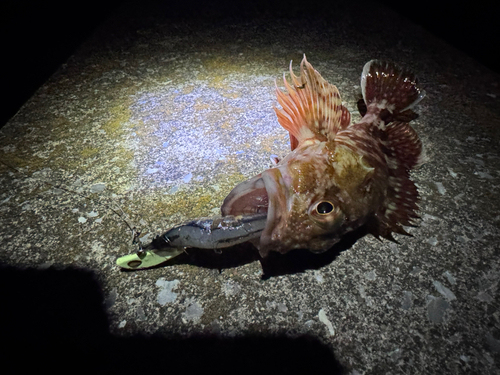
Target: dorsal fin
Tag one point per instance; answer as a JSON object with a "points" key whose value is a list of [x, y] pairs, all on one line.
{"points": [[311, 107]]}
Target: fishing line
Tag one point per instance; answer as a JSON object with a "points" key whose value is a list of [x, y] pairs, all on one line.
{"points": [[135, 233]]}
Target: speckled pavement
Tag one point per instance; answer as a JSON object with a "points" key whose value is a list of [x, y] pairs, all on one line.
{"points": [[154, 120]]}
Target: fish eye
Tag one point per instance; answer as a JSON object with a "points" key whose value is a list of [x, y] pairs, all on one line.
{"points": [[326, 215], [324, 208]]}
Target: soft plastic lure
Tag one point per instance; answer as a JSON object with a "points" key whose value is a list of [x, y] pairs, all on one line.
{"points": [[204, 233]]}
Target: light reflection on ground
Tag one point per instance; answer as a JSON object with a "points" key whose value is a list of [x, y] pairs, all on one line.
{"points": [[193, 135]]}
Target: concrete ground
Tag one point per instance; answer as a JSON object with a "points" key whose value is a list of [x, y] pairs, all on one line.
{"points": [[155, 119]]}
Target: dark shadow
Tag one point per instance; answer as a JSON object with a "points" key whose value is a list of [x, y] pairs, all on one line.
{"points": [[36, 38], [230, 257], [54, 321], [300, 260]]}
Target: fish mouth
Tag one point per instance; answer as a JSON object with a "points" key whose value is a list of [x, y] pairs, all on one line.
{"points": [[247, 198], [263, 193], [276, 192]]}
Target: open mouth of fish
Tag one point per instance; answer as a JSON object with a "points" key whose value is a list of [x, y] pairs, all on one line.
{"points": [[261, 194], [250, 213]]}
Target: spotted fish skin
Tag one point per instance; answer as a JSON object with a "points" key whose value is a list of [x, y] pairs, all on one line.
{"points": [[338, 176]]}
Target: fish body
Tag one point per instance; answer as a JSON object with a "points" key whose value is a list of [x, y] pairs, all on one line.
{"points": [[338, 176]]}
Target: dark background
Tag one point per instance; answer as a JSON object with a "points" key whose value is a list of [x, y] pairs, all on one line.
{"points": [[38, 36]]}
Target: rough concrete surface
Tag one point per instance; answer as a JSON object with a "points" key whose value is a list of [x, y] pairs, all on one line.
{"points": [[154, 120]]}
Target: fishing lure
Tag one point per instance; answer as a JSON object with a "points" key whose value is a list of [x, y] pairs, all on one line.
{"points": [[204, 233]]}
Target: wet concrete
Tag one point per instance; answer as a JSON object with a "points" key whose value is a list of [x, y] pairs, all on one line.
{"points": [[154, 120]]}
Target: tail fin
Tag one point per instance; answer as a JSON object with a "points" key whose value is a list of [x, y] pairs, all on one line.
{"points": [[389, 87]]}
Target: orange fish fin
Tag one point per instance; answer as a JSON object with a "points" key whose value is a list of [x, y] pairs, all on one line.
{"points": [[404, 150], [311, 107], [293, 142], [389, 87], [345, 118]]}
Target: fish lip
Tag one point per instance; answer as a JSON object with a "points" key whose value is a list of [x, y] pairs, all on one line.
{"points": [[264, 193], [247, 198], [274, 183]]}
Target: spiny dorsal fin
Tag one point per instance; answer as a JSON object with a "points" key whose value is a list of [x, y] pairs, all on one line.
{"points": [[311, 107]]}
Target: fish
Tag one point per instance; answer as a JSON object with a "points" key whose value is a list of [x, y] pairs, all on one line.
{"points": [[339, 175]]}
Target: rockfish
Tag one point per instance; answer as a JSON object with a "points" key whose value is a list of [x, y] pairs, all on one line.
{"points": [[338, 176]]}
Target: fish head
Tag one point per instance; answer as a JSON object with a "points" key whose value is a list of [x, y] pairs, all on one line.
{"points": [[303, 206], [312, 197]]}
